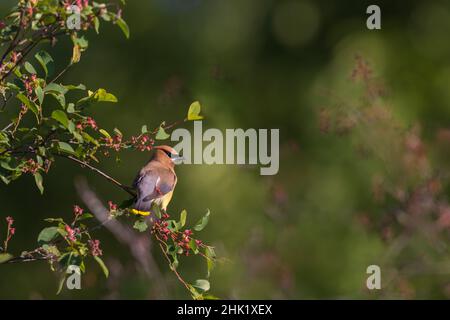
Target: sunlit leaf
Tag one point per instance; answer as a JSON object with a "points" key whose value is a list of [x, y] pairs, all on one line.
{"points": [[29, 67], [40, 94], [140, 225], [183, 218], [65, 147], [5, 257], [201, 224], [202, 284], [56, 88], [61, 117], [74, 87], [85, 216], [193, 246], [105, 133], [162, 134], [210, 259], [194, 111], [96, 24], [101, 95], [124, 27], [48, 234]]}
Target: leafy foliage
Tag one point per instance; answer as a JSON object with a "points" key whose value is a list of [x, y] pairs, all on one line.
{"points": [[52, 121]]}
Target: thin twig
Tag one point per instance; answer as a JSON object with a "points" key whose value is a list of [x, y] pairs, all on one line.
{"points": [[13, 43], [127, 189], [61, 73], [169, 126], [180, 278]]}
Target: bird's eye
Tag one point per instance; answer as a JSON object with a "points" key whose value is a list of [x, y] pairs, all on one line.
{"points": [[168, 153]]}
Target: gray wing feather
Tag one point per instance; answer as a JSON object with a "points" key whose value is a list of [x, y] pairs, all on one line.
{"points": [[149, 187]]}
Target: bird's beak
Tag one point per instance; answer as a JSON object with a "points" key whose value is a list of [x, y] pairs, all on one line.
{"points": [[177, 159]]}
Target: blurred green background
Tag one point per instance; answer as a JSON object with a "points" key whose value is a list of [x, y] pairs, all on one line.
{"points": [[252, 64]]}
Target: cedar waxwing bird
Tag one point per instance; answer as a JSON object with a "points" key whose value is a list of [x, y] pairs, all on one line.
{"points": [[156, 181]]}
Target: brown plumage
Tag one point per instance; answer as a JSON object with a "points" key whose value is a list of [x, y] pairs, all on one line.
{"points": [[156, 181]]}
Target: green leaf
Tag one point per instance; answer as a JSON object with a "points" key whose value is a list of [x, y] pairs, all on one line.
{"points": [[39, 94], [79, 45], [71, 127], [65, 147], [193, 246], [118, 132], [173, 254], [60, 98], [78, 136], [201, 224], [61, 282], [194, 111], [39, 182], [124, 27], [7, 166], [202, 284], [90, 139], [85, 216], [48, 234], [156, 210], [18, 73], [70, 108], [55, 88], [102, 266], [183, 218], [101, 95], [5, 179], [30, 104], [105, 133], [82, 42], [140, 225], [210, 259], [5, 257], [96, 24], [61, 117], [46, 61], [73, 87], [161, 134], [29, 67], [194, 293], [210, 297], [144, 129]]}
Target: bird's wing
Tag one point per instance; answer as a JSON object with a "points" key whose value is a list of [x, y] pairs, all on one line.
{"points": [[152, 184]]}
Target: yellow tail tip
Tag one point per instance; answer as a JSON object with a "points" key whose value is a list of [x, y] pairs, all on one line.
{"points": [[140, 213]]}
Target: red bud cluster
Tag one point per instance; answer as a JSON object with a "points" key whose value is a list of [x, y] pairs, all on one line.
{"points": [[94, 245], [142, 143], [31, 166]]}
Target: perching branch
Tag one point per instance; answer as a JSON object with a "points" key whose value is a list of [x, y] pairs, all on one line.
{"points": [[127, 189]]}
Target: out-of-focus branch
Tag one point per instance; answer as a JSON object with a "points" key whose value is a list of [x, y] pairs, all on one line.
{"points": [[139, 245]]}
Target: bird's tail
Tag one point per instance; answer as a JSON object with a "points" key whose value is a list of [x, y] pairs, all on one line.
{"points": [[142, 205]]}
